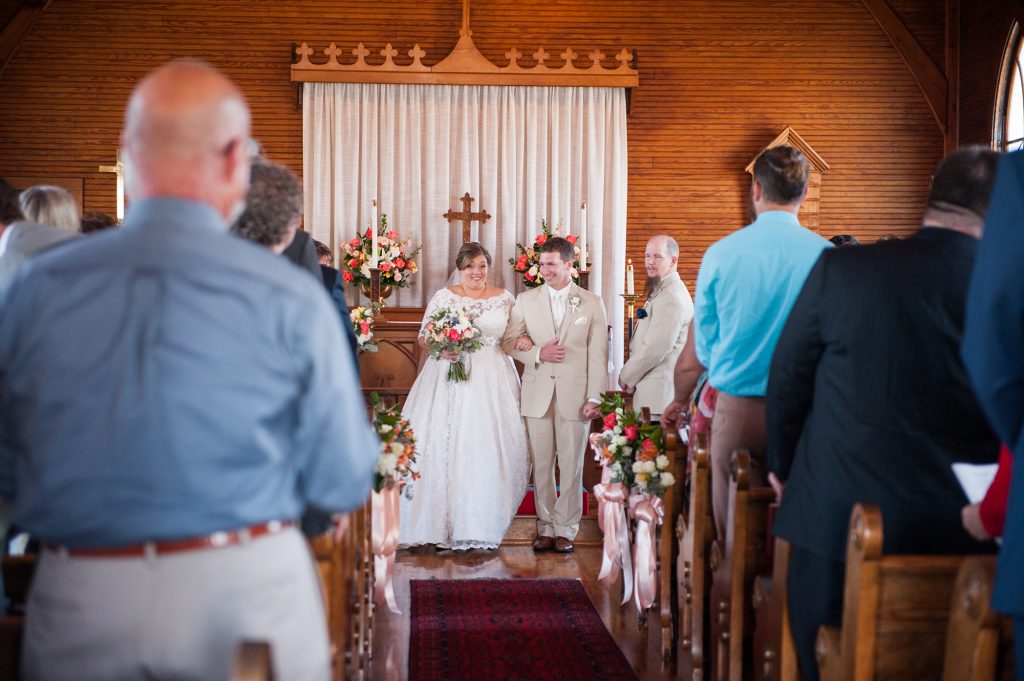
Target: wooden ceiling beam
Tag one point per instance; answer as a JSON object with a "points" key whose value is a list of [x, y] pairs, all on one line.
{"points": [[929, 77], [17, 27]]}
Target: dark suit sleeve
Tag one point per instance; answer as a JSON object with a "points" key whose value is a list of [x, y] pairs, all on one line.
{"points": [[338, 298], [793, 368], [993, 347]]}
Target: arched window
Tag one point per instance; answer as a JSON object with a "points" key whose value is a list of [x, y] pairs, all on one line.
{"points": [[1009, 126]]}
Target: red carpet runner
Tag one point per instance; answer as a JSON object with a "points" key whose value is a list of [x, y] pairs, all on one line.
{"points": [[539, 629]]}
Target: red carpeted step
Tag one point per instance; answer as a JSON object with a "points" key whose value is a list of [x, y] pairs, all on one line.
{"points": [[529, 505]]}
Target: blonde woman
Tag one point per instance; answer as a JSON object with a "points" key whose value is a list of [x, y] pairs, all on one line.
{"points": [[51, 205]]}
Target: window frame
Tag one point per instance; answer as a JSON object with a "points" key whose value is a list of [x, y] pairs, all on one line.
{"points": [[1013, 59]]}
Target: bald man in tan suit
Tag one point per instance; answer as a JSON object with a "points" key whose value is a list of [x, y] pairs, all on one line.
{"points": [[564, 378], [661, 331]]}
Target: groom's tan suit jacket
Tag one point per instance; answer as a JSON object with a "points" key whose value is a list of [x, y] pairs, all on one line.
{"points": [[584, 334]]}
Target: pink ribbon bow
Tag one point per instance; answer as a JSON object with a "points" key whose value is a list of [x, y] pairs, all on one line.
{"points": [[615, 553], [648, 511], [384, 541]]}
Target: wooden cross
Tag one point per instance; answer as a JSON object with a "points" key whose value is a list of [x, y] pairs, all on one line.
{"points": [[117, 169], [466, 216]]}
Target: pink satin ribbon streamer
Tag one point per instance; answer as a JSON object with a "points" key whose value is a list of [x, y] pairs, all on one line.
{"points": [[611, 515], [385, 525], [648, 511]]}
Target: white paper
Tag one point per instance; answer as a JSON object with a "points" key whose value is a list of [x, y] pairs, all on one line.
{"points": [[975, 479]]}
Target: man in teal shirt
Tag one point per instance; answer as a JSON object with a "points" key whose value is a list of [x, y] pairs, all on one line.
{"points": [[747, 285]]}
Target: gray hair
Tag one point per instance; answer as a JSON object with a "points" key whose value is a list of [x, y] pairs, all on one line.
{"points": [[50, 205]]}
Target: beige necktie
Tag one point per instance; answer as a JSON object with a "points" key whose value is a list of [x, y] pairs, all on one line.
{"points": [[558, 308]]}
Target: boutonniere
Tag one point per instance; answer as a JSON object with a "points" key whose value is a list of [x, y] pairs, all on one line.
{"points": [[574, 303]]}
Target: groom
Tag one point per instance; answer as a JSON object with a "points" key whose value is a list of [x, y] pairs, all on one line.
{"points": [[565, 374]]}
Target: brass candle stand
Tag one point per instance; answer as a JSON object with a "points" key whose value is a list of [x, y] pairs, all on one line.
{"points": [[631, 300]]}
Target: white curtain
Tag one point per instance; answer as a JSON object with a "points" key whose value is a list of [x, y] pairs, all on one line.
{"points": [[523, 153]]}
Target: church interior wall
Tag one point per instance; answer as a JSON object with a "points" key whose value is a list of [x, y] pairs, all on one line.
{"points": [[984, 30], [718, 81]]}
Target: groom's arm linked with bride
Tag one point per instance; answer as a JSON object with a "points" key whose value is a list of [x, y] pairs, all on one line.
{"points": [[565, 374]]}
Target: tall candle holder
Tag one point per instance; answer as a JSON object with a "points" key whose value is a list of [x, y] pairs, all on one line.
{"points": [[631, 300], [376, 293]]}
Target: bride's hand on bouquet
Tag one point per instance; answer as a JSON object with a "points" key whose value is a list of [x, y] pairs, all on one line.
{"points": [[523, 343], [450, 356]]}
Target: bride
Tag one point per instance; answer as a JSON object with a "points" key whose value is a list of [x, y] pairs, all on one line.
{"points": [[471, 442]]}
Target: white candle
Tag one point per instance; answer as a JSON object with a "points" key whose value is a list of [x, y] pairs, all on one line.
{"points": [[629, 277], [583, 237], [374, 261]]}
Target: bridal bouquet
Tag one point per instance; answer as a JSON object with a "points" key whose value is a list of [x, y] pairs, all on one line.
{"points": [[394, 258], [454, 332], [528, 262], [397, 448], [632, 451], [362, 324]]}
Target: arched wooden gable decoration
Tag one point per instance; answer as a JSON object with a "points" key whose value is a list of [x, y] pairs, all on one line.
{"points": [[810, 209]]}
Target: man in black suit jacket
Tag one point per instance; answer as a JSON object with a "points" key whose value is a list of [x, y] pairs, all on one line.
{"points": [[868, 400]]}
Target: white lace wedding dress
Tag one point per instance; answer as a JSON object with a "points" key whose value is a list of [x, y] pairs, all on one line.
{"points": [[470, 439]]}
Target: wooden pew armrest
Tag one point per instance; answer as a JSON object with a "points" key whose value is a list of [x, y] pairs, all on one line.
{"points": [[827, 651]]}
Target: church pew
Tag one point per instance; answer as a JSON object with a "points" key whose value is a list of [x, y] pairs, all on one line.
{"points": [[735, 562], [774, 657], [695, 531], [979, 645], [895, 610], [252, 662], [12, 629], [668, 545], [17, 575]]}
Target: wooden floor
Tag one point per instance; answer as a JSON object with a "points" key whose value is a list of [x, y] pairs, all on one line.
{"points": [[391, 632]]}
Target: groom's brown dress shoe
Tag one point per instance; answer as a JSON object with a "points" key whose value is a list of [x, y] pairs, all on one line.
{"points": [[563, 545], [543, 543]]}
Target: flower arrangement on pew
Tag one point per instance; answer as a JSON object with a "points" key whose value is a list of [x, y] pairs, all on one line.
{"points": [[395, 466], [362, 324], [452, 332], [632, 455], [395, 258], [633, 451], [394, 475], [528, 261]]}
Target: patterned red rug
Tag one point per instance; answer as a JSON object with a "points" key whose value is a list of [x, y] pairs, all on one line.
{"points": [[536, 629]]}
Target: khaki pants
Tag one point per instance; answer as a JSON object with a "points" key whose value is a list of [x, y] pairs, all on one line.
{"points": [[738, 423], [554, 437], [176, 615]]}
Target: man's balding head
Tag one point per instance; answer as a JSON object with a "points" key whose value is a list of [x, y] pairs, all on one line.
{"points": [[185, 135]]}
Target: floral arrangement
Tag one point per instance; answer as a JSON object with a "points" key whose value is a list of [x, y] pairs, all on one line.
{"points": [[397, 448], [633, 452], [362, 324], [452, 331], [528, 262], [395, 257]]}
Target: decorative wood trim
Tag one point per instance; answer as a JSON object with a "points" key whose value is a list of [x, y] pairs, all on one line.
{"points": [[929, 78], [791, 138], [466, 65], [952, 75], [15, 30], [810, 209]]}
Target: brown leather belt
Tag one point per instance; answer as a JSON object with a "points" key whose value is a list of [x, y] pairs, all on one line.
{"points": [[211, 541]]}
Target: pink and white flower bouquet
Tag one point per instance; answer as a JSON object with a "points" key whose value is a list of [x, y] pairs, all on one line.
{"points": [[452, 332]]}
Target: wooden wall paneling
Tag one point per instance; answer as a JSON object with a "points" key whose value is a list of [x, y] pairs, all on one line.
{"points": [[711, 93], [17, 22]]}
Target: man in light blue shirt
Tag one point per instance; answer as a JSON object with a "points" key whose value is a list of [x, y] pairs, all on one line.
{"points": [[746, 286], [171, 398]]}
